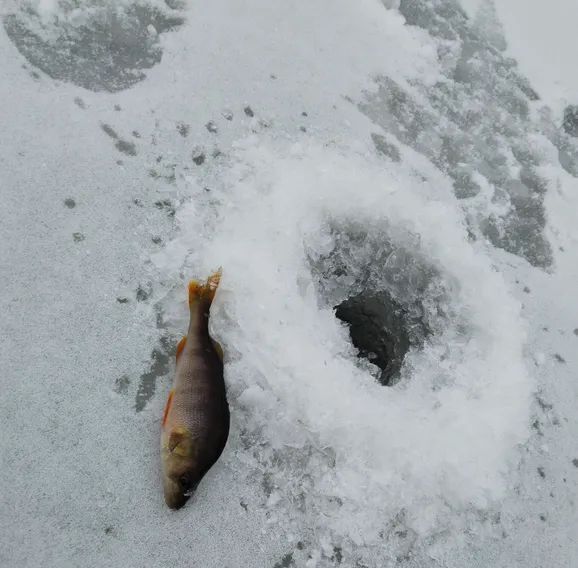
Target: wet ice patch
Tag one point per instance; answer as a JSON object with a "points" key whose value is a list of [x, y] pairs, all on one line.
{"points": [[345, 462], [478, 124], [101, 45]]}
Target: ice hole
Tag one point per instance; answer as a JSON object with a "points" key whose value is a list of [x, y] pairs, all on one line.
{"points": [[386, 292]]}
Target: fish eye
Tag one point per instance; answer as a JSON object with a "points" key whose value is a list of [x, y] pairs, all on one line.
{"points": [[187, 485]]}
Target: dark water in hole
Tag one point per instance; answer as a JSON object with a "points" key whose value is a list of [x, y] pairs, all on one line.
{"points": [[387, 294], [378, 329]]}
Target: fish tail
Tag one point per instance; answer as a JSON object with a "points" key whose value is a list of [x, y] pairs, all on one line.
{"points": [[204, 290]]}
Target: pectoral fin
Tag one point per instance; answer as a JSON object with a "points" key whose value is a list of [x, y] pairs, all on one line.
{"points": [[181, 442]]}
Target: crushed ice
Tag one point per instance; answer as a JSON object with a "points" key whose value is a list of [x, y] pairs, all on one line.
{"points": [[339, 453]]}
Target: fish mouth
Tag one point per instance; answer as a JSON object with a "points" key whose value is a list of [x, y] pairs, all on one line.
{"points": [[178, 491], [175, 495]]}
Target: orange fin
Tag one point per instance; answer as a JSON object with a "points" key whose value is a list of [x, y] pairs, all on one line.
{"points": [[198, 290], [181, 442], [168, 406], [181, 346]]}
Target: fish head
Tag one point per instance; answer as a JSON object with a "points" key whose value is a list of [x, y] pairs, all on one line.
{"points": [[180, 466]]}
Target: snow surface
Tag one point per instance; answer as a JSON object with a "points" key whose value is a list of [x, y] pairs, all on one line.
{"points": [[541, 36], [314, 151]]}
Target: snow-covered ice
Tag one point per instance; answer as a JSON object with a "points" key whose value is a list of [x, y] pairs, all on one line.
{"points": [[541, 36], [315, 151]]}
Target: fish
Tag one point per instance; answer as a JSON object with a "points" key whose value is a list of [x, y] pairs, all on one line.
{"points": [[195, 422]]}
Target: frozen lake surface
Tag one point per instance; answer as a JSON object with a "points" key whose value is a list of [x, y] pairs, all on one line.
{"points": [[392, 152]]}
